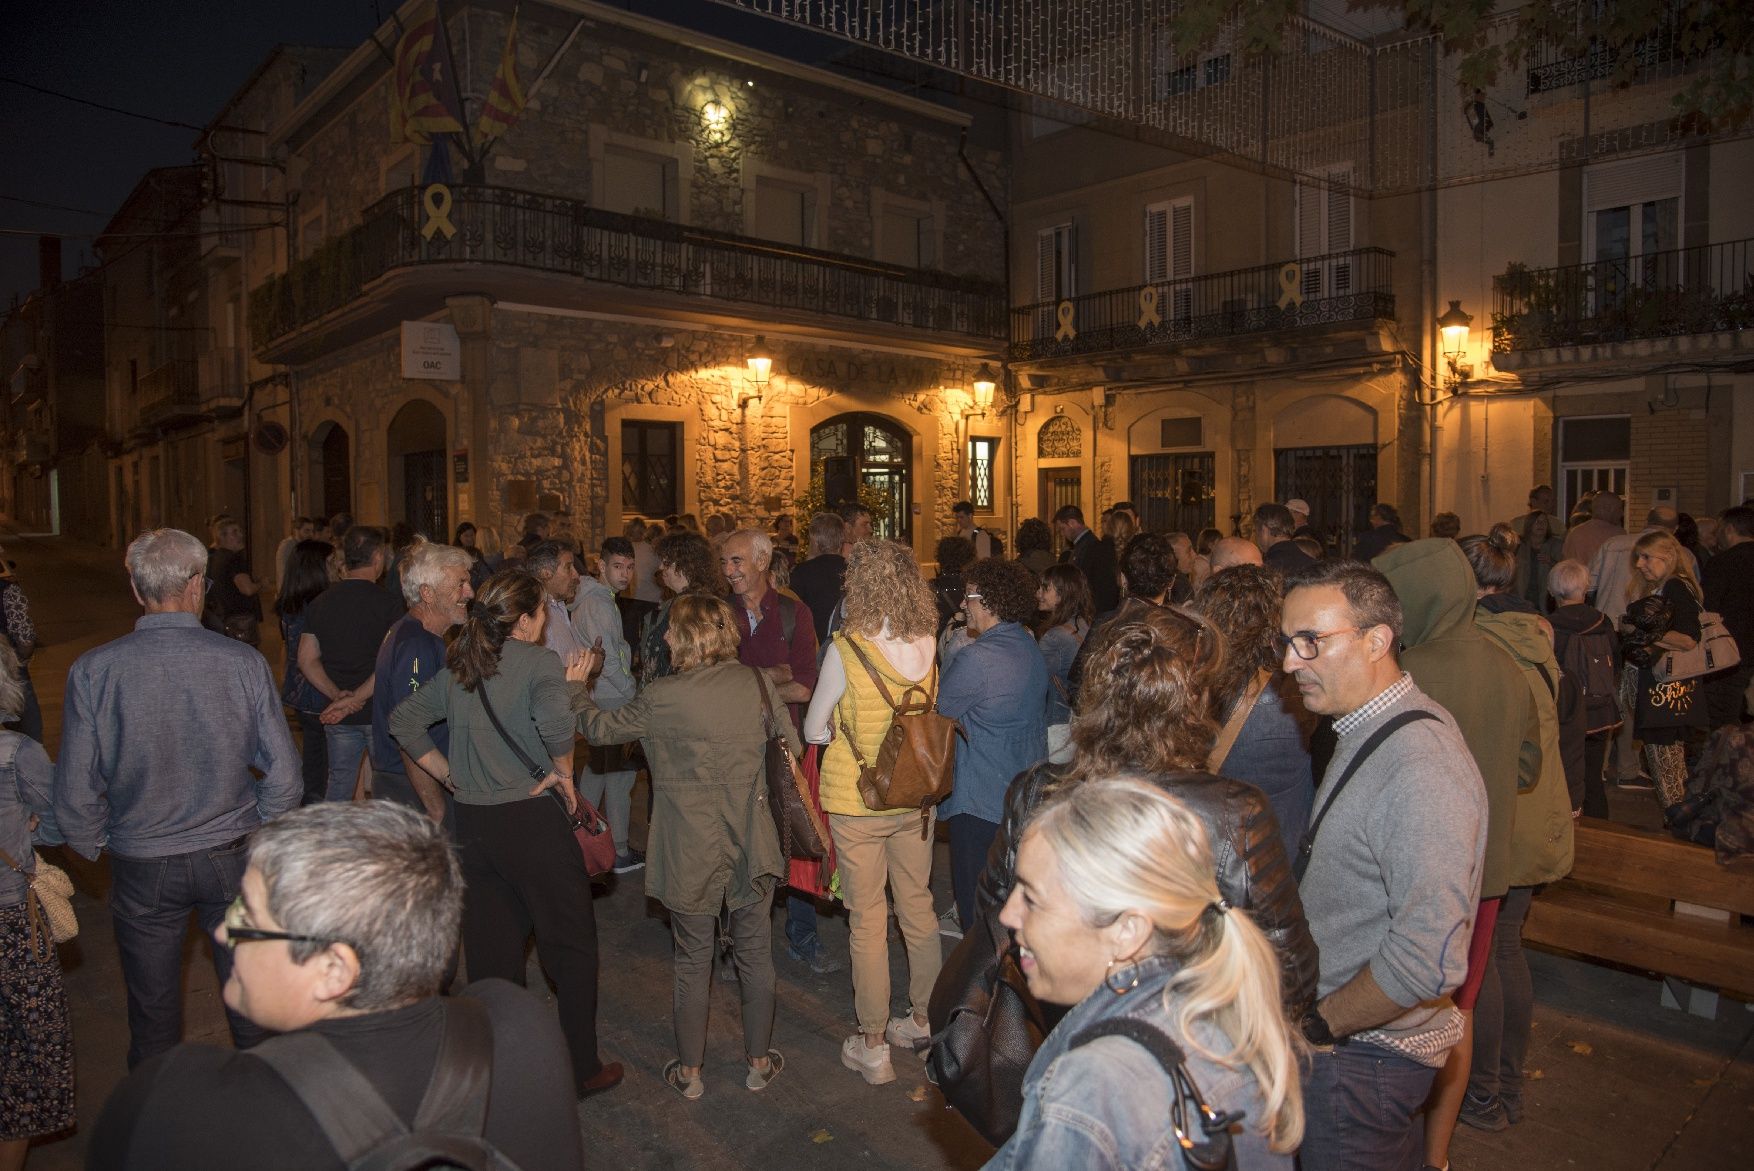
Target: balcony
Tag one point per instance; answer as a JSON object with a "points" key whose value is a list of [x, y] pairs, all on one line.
{"points": [[1691, 301], [536, 239], [169, 394], [1339, 288]]}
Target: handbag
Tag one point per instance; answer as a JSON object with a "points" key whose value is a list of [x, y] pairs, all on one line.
{"points": [[795, 816], [916, 762], [1715, 651], [815, 877], [589, 828], [986, 1027], [48, 903]]}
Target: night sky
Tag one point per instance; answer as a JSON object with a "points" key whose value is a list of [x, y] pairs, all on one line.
{"points": [[179, 60]]}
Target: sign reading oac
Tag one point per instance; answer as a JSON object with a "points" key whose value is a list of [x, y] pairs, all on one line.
{"points": [[431, 350]]}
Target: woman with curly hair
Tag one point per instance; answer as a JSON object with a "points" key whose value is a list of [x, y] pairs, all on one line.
{"points": [[1662, 713], [887, 644], [686, 565], [1270, 742], [997, 687], [1035, 545]]}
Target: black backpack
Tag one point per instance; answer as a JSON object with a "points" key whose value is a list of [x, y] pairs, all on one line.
{"points": [[367, 1135], [1588, 657]]}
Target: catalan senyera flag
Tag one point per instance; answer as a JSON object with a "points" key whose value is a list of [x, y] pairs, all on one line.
{"points": [[423, 98], [505, 97]]}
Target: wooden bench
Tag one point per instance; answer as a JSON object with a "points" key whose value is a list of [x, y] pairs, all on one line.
{"points": [[1645, 900]]}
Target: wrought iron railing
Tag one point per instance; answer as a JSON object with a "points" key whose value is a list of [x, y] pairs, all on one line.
{"points": [[498, 225], [170, 389], [1659, 294], [1317, 290], [1584, 54]]}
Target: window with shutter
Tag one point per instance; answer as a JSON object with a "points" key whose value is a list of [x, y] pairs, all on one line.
{"points": [[1324, 226], [1339, 197], [1169, 252], [1054, 267]]}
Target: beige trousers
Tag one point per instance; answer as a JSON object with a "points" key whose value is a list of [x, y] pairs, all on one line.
{"points": [[874, 851]]}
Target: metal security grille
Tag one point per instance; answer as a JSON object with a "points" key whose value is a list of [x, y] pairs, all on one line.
{"points": [[980, 472], [424, 493], [1338, 484], [1060, 487], [1174, 492], [648, 468]]}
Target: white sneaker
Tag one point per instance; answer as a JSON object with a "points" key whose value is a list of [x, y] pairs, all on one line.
{"points": [[906, 1033], [948, 925], [871, 1064]]}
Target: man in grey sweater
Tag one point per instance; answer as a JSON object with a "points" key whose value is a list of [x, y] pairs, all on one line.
{"points": [[1392, 876]]}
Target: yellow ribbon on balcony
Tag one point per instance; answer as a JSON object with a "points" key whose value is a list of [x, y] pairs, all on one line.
{"points": [[1291, 286], [1067, 330], [437, 199], [1148, 314]]}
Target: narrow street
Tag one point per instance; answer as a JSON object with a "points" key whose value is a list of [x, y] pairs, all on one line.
{"points": [[1618, 1082]]}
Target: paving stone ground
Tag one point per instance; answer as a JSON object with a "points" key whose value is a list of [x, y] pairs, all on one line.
{"points": [[1619, 1082]]}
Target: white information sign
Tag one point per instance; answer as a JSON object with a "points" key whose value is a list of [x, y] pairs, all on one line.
{"points": [[430, 349]]}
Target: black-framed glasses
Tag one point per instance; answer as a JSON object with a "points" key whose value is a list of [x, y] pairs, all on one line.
{"points": [[238, 929], [1307, 644]]}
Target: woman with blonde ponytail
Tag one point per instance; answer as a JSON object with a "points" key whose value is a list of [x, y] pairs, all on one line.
{"points": [[1116, 911]]}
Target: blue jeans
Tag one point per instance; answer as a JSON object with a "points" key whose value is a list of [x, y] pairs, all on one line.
{"points": [[801, 923], [346, 744], [150, 901], [971, 838], [1362, 1110]]}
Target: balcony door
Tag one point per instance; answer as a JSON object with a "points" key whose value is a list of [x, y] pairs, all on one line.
{"points": [[1324, 228], [1632, 228], [1056, 274]]}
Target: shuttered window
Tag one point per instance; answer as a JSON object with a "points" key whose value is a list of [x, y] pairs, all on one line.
{"points": [[1169, 251], [1055, 272], [1324, 226]]}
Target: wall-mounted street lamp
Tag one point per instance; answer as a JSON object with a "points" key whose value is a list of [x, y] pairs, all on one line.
{"points": [[985, 384], [760, 369], [1453, 324]]}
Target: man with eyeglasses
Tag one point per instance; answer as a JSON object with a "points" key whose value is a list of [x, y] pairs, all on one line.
{"points": [[341, 937], [1390, 871], [161, 730]]}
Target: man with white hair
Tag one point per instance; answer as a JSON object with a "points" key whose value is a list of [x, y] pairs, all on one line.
{"points": [[779, 636], [161, 730], [435, 584], [1300, 526]]}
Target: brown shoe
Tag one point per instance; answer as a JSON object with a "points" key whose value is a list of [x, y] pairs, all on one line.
{"points": [[606, 1078]]}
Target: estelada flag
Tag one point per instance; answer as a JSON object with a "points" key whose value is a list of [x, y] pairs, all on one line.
{"points": [[505, 97], [423, 98]]}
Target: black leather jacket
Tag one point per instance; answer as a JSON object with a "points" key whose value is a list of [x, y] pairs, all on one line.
{"points": [[1254, 874]]}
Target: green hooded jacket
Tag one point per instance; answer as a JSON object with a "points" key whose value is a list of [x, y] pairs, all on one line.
{"points": [[1470, 675], [1542, 841]]}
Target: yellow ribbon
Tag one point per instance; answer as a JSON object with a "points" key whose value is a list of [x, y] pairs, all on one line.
{"points": [[438, 212], [1148, 315], [1067, 330], [1291, 286]]}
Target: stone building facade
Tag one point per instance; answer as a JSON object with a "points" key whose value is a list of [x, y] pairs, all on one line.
{"points": [[660, 211]]}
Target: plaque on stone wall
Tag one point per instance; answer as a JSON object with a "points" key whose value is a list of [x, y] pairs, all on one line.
{"points": [[460, 466], [520, 495], [431, 350]]}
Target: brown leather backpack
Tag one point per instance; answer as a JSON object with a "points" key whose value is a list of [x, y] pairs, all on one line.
{"points": [[916, 763]]}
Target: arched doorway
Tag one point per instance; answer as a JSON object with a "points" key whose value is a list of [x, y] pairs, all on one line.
{"points": [[331, 481], [419, 493], [866, 455]]}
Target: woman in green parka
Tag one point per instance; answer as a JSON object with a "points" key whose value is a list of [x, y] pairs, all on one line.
{"points": [[712, 840]]}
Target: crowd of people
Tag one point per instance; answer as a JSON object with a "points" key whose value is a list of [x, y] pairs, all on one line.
{"points": [[1256, 823]]}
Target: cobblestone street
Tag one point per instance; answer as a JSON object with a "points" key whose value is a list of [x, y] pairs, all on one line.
{"points": [[1619, 1082]]}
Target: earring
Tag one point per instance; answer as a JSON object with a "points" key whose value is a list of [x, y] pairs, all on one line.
{"points": [[1116, 986]]}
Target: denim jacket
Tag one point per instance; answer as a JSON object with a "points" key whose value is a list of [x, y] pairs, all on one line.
{"points": [[1106, 1104]]}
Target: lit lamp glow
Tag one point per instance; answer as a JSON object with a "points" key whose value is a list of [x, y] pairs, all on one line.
{"points": [[716, 114], [985, 383], [760, 363], [1454, 324]]}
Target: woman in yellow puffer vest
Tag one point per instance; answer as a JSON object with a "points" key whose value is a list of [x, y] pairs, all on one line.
{"points": [[891, 621]]}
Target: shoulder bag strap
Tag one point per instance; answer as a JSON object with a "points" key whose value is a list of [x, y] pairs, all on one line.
{"points": [[352, 1114], [1245, 706], [1307, 846], [767, 720], [455, 1101], [537, 772], [1209, 1150]]}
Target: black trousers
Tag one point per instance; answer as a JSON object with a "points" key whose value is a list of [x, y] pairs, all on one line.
{"points": [[524, 873]]}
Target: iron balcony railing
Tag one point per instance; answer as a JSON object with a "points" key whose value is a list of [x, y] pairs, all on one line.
{"points": [[498, 225], [1660, 294], [169, 390], [1317, 290]]}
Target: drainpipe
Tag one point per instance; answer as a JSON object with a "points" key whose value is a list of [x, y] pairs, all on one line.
{"points": [[1428, 264], [1005, 321]]}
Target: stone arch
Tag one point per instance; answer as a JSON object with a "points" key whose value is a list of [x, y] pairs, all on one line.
{"points": [[330, 450], [860, 450], [416, 444]]}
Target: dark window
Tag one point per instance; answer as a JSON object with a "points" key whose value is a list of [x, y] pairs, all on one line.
{"points": [[1182, 81], [1218, 70], [983, 452], [648, 468], [1595, 440], [1181, 433]]}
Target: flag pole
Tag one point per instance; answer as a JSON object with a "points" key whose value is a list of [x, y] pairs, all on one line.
{"points": [[547, 68], [462, 107]]}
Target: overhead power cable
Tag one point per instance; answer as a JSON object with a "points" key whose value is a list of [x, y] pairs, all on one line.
{"points": [[67, 97]]}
